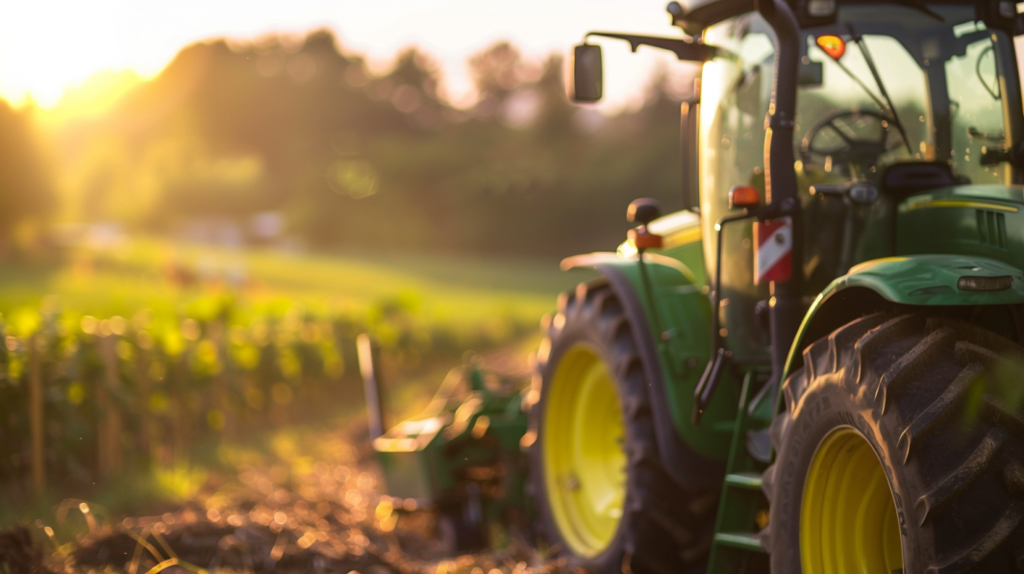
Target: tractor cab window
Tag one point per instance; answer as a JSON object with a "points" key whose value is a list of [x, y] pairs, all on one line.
{"points": [[976, 106], [738, 86], [845, 129], [886, 83], [902, 85], [735, 93]]}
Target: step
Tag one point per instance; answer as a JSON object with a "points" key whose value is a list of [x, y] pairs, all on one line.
{"points": [[741, 540], [747, 480]]}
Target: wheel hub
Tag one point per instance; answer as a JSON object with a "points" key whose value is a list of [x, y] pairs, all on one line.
{"points": [[584, 461], [848, 522]]}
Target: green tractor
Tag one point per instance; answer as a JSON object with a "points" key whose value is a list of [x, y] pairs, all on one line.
{"points": [[816, 366]]}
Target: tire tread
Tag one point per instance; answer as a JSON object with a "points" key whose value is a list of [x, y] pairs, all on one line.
{"points": [[940, 408], [958, 422]]}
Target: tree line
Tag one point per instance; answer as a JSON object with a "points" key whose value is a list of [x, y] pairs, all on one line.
{"points": [[348, 158]]}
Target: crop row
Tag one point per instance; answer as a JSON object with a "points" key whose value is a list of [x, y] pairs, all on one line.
{"points": [[83, 398]]}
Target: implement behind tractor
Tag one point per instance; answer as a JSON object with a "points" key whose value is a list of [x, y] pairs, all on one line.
{"points": [[461, 456], [816, 366]]}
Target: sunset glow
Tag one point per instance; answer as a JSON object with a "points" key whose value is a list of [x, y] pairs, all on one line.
{"points": [[47, 47]]}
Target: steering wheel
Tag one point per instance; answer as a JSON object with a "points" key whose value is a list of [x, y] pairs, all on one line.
{"points": [[855, 138]]}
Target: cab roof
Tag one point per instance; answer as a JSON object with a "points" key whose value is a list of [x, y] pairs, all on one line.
{"points": [[699, 14]]}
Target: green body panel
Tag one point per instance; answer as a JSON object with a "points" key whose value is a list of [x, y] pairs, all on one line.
{"points": [[926, 280], [409, 458], [931, 280], [677, 305], [982, 220]]}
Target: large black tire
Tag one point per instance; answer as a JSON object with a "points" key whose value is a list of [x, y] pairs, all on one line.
{"points": [[665, 528], [937, 403]]}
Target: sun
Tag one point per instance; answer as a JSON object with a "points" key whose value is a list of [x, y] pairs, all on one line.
{"points": [[43, 55]]}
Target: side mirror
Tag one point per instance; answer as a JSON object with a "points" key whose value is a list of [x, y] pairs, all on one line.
{"points": [[587, 73]]}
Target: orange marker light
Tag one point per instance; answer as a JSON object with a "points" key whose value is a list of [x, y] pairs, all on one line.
{"points": [[834, 46], [744, 196]]}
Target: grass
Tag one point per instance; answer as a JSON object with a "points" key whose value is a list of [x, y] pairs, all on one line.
{"points": [[158, 274]]}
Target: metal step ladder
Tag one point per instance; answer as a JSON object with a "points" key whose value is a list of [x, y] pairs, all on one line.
{"points": [[742, 510]]}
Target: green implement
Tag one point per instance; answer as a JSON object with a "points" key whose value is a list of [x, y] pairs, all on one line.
{"points": [[460, 457]]}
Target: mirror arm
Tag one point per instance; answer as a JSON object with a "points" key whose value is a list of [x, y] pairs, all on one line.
{"points": [[684, 49]]}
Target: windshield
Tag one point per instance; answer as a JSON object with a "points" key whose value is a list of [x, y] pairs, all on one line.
{"points": [[904, 85], [940, 74]]}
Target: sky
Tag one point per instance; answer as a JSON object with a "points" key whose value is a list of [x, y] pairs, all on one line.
{"points": [[47, 46]]}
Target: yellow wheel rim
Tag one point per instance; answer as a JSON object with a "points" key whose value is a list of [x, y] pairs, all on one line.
{"points": [[848, 521], [584, 462]]}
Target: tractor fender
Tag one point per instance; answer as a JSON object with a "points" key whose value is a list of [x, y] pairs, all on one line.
{"points": [[673, 337], [911, 280]]}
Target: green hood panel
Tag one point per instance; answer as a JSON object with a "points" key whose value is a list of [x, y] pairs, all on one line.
{"points": [[1008, 193], [973, 220], [932, 280], [923, 280]]}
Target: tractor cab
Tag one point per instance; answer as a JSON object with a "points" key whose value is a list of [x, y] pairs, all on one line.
{"points": [[862, 111], [894, 100]]}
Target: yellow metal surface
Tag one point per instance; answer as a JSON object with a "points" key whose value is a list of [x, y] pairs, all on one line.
{"points": [[683, 237], [848, 522], [929, 203], [858, 268], [584, 462]]}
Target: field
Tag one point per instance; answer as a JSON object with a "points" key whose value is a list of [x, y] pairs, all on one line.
{"points": [[465, 303], [124, 276], [186, 434]]}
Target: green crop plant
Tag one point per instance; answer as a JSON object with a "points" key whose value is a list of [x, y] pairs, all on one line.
{"points": [[85, 398]]}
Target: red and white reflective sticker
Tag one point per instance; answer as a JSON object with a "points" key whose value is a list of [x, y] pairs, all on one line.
{"points": [[773, 260]]}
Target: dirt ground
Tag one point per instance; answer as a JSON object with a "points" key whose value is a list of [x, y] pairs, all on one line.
{"points": [[286, 515]]}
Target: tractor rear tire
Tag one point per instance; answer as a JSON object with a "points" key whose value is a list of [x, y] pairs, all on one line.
{"points": [[900, 450], [606, 502]]}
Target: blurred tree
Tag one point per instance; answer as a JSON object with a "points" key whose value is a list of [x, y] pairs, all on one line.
{"points": [[497, 72], [555, 113], [26, 189], [363, 161]]}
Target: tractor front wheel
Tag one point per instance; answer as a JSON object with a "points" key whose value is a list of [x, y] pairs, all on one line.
{"points": [[606, 502], [900, 451]]}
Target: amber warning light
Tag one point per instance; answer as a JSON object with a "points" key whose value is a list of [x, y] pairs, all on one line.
{"points": [[744, 196], [834, 46]]}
